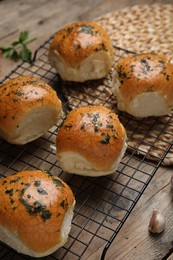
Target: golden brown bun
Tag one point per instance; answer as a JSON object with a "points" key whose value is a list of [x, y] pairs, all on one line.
{"points": [[91, 141], [146, 85], [28, 108], [36, 210], [81, 51]]}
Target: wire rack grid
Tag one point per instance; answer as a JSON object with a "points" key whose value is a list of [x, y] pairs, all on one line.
{"points": [[103, 204]]}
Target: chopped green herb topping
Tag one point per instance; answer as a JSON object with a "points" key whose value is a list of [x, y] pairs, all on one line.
{"points": [[102, 47], [62, 204], [10, 192], [96, 129], [94, 120], [94, 116], [162, 64], [86, 29], [69, 30], [42, 192], [83, 127], [110, 126], [11, 201], [26, 187], [15, 180], [145, 66], [122, 75], [78, 46], [15, 100], [58, 182], [36, 208], [167, 77], [106, 139], [37, 183], [46, 214], [114, 135], [32, 209], [18, 92]]}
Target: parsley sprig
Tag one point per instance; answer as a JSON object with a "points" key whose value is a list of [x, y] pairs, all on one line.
{"points": [[18, 50]]}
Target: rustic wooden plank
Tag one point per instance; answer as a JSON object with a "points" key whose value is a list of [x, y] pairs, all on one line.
{"points": [[134, 241]]}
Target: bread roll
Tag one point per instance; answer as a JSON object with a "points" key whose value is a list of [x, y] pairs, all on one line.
{"points": [[81, 51], [36, 211], [145, 85], [91, 141], [28, 108]]}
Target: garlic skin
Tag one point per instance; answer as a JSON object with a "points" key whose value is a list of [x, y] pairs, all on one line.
{"points": [[157, 222]]}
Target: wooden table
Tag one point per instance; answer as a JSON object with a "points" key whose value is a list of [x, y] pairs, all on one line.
{"points": [[42, 18]]}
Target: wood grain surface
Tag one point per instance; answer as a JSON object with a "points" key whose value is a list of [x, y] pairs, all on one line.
{"points": [[42, 19]]}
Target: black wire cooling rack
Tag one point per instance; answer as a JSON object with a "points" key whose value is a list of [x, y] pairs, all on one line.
{"points": [[103, 204]]}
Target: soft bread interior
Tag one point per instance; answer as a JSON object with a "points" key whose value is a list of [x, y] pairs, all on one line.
{"points": [[73, 162], [115, 83], [13, 239], [142, 105], [96, 66], [145, 104], [34, 124]]}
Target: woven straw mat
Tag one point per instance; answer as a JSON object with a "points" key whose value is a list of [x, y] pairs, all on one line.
{"points": [[140, 28]]}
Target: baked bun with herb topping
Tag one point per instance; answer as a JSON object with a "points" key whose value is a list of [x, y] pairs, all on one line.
{"points": [[28, 108], [81, 51], [145, 85], [36, 211], [91, 141]]}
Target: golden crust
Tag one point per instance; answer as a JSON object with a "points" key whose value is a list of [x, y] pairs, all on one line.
{"points": [[95, 133], [20, 95], [33, 205], [77, 41], [148, 72]]}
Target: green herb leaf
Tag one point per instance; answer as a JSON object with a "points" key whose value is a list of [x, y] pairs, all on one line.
{"points": [[42, 192], [105, 140], [86, 29], [15, 43], [37, 183], [15, 56], [46, 214], [18, 49], [62, 204], [23, 36], [26, 54], [5, 51], [10, 192], [15, 180], [57, 182]]}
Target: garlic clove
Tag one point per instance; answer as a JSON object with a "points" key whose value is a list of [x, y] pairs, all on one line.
{"points": [[157, 222]]}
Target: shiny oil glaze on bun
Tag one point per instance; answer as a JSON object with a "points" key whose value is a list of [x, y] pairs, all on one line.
{"points": [[36, 210], [29, 107], [145, 85], [81, 51], [91, 141]]}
